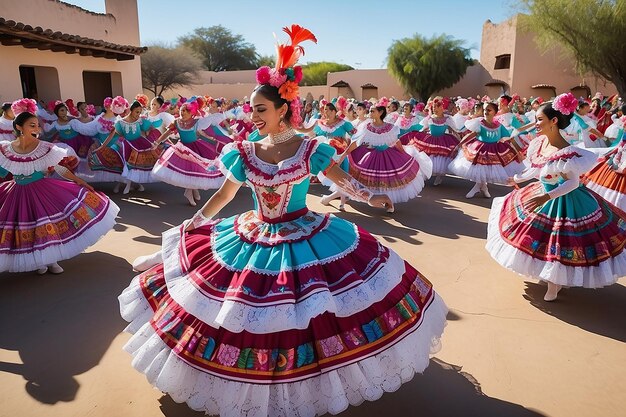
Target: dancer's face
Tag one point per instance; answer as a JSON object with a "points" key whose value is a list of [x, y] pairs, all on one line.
{"points": [[407, 110], [30, 129], [154, 105], [329, 113], [543, 124], [264, 115], [62, 113]]}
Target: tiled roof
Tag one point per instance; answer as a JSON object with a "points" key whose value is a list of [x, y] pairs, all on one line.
{"points": [[543, 86], [18, 33], [341, 83], [368, 85]]}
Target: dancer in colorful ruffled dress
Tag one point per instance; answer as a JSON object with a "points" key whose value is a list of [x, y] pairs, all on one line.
{"points": [[6, 122], [190, 162], [555, 230], [362, 116], [408, 123], [158, 115], [338, 134], [279, 311], [137, 150], [380, 162], [437, 139], [486, 156], [64, 131], [216, 126], [608, 177], [582, 129], [44, 220]]}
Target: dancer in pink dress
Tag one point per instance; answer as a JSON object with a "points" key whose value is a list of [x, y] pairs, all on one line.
{"points": [[44, 220]]}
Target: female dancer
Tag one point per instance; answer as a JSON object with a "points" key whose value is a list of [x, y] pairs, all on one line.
{"points": [[554, 230], [190, 162], [408, 122], [65, 130], [582, 127], [279, 311], [434, 139], [6, 122], [361, 116], [380, 161], [137, 150], [158, 115], [215, 126], [608, 177], [338, 133], [487, 156], [44, 220]]}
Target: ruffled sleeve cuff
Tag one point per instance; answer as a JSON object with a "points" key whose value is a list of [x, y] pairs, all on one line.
{"points": [[232, 165], [321, 157], [571, 160]]}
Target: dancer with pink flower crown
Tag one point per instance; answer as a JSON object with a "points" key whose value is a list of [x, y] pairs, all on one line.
{"points": [[189, 163], [44, 220], [555, 230], [279, 311]]}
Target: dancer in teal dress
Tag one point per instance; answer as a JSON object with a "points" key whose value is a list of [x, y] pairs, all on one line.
{"points": [[279, 311], [556, 230]]}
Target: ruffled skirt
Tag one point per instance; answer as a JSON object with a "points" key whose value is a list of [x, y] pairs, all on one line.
{"points": [[398, 174], [49, 220], [486, 162], [296, 318], [440, 149], [139, 159], [574, 240], [605, 180], [184, 165]]}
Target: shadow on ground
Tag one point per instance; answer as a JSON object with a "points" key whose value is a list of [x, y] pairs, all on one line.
{"points": [[61, 325], [443, 390], [601, 311]]}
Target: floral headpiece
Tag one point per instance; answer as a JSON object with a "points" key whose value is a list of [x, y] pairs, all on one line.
{"points": [[565, 103], [91, 109], [24, 105], [286, 75], [71, 108], [247, 108], [383, 102], [119, 105], [107, 102], [464, 104], [537, 100], [485, 99], [194, 106], [420, 106], [142, 99], [52, 104]]}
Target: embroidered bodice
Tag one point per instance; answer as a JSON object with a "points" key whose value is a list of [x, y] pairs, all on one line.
{"points": [[379, 137], [341, 129], [132, 130], [188, 131], [408, 124], [438, 125], [551, 170], [64, 131], [487, 134], [32, 166], [278, 190]]}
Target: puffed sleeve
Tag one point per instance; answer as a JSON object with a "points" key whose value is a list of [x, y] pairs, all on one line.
{"points": [[473, 125], [504, 132], [321, 157], [349, 128], [147, 124], [231, 164], [572, 161], [85, 129]]}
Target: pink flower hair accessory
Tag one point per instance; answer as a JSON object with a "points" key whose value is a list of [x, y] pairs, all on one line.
{"points": [[142, 99], [119, 105], [107, 102], [296, 113], [52, 104], [91, 109], [24, 105], [565, 103]]}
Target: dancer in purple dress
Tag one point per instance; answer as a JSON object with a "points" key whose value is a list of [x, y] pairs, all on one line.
{"points": [[44, 220]]}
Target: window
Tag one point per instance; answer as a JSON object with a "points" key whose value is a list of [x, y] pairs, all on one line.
{"points": [[503, 62]]}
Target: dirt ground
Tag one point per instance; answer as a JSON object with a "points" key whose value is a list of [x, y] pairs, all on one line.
{"points": [[505, 351]]}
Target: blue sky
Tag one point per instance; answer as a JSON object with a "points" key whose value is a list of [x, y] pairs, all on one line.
{"points": [[357, 33]]}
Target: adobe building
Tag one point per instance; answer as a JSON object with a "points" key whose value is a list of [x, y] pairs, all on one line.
{"points": [[50, 50]]}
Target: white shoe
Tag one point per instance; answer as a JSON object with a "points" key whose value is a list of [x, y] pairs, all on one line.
{"points": [[196, 195], [325, 201], [146, 262], [42, 271], [55, 268], [189, 196], [475, 189], [127, 188], [140, 187], [552, 292], [438, 180], [485, 191]]}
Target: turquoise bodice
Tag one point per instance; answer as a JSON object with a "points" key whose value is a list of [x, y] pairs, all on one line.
{"points": [[27, 179], [134, 130], [187, 135], [492, 135]]}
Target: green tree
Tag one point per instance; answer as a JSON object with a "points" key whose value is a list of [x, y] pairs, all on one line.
{"points": [[163, 68], [316, 73], [424, 66], [593, 31], [221, 50]]}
